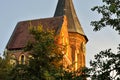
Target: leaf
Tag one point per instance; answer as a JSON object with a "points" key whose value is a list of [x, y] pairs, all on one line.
{"points": [[94, 8], [112, 8]]}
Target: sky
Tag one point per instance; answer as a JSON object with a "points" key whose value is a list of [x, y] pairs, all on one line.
{"points": [[13, 11]]}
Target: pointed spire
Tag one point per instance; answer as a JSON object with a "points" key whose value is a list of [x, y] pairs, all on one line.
{"points": [[65, 7]]}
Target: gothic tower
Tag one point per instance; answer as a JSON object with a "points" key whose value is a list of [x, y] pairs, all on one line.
{"points": [[77, 38]]}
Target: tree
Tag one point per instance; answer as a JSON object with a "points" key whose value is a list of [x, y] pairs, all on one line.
{"points": [[18, 72], [110, 12], [46, 56], [4, 67], [106, 65]]}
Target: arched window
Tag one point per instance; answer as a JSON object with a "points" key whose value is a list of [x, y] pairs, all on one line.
{"points": [[22, 59], [83, 60], [73, 53], [79, 60]]}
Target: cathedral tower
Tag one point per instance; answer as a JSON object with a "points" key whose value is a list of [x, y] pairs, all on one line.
{"points": [[77, 38]]}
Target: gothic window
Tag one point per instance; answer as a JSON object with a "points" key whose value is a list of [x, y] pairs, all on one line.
{"points": [[79, 60], [73, 53], [83, 60], [83, 47], [22, 59]]}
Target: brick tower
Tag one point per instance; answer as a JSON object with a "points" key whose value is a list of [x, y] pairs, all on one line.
{"points": [[77, 38]]}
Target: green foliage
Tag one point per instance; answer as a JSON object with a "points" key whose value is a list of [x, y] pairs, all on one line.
{"points": [[18, 72], [106, 66], [110, 12], [46, 56], [4, 68]]}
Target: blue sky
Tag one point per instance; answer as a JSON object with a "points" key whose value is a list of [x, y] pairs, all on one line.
{"points": [[13, 11]]}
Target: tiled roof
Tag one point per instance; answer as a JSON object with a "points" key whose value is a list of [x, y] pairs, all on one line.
{"points": [[21, 34]]}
